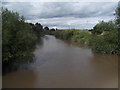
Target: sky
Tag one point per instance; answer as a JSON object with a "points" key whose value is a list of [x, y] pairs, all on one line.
{"points": [[64, 15]]}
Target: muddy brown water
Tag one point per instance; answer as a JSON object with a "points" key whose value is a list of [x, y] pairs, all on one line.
{"points": [[61, 64]]}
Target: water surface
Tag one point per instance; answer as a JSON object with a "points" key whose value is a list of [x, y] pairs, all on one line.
{"points": [[60, 64]]}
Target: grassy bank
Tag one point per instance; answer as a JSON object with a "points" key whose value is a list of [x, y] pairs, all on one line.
{"points": [[106, 43], [104, 37], [79, 36]]}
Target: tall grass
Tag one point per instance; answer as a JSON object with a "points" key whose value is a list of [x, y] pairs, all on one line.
{"points": [[79, 36], [104, 44]]}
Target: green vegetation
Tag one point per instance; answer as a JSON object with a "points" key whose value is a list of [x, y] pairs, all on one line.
{"points": [[80, 36], [64, 34], [118, 24], [118, 15], [104, 26], [103, 38], [105, 42], [19, 39]]}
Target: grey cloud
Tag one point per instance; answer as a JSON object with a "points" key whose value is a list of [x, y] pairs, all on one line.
{"points": [[70, 9], [73, 22], [61, 14], [64, 9]]}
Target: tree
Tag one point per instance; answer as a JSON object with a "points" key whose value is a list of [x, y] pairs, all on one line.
{"points": [[39, 26], [38, 29], [104, 26], [52, 29], [46, 28], [118, 15], [22, 18], [118, 25], [18, 40]]}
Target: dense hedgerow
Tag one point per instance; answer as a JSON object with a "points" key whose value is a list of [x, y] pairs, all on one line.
{"points": [[18, 39]]}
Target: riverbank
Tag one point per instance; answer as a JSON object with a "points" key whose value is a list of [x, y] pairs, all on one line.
{"points": [[105, 43], [61, 64]]}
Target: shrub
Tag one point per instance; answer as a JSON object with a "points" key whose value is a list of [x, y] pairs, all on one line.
{"points": [[18, 40], [106, 44]]}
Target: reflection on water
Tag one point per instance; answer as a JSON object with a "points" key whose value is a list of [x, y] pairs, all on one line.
{"points": [[61, 64]]}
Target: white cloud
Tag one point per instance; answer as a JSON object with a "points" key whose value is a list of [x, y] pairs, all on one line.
{"points": [[64, 14], [66, 22], [60, 0]]}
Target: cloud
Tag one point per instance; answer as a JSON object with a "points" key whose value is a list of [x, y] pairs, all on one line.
{"points": [[71, 22], [63, 14], [60, 0]]}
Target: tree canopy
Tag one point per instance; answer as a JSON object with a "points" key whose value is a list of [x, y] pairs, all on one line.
{"points": [[18, 39]]}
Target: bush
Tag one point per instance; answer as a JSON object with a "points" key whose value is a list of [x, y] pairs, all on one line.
{"points": [[106, 44], [18, 40], [104, 26], [79, 36], [82, 37]]}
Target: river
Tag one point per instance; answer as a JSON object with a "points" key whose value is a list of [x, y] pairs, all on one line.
{"points": [[59, 64]]}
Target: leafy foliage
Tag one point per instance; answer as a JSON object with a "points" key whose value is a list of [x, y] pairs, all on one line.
{"points": [[118, 15], [79, 36], [19, 38], [106, 44], [104, 26]]}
